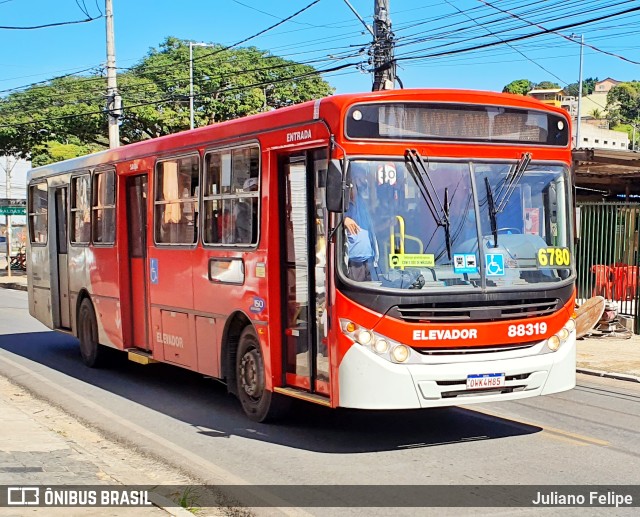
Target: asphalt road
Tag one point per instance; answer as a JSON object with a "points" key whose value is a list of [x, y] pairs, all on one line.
{"points": [[588, 436]]}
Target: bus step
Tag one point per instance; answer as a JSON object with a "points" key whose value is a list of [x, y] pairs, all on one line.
{"points": [[303, 395], [140, 356]]}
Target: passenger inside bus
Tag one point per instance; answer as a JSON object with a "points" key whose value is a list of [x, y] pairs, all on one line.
{"points": [[362, 246], [247, 214]]}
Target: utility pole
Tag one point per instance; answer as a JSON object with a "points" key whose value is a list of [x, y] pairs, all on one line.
{"points": [[191, 45], [8, 169], [384, 65], [114, 101]]}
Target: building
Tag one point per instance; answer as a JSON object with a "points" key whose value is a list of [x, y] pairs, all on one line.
{"points": [[553, 96], [597, 137], [605, 85], [590, 104]]}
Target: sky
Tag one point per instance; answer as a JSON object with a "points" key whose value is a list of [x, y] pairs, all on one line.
{"points": [[328, 34]]}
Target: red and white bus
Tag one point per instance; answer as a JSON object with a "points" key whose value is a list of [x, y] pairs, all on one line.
{"points": [[387, 250]]}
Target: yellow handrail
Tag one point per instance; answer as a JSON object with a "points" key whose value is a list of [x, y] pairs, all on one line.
{"points": [[392, 232]]}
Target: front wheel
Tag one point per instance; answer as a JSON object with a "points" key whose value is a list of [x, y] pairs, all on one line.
{"points": [[257, 402], [93, 354]]}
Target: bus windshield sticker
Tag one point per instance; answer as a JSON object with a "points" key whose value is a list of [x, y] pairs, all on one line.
{"points": [[153, 270], [465, 263], [258, 305], [495, 264], [553, 257], [412, 260]]}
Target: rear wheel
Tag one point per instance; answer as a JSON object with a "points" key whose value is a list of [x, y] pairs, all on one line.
{"points": [[258, 403], [93, 354]]}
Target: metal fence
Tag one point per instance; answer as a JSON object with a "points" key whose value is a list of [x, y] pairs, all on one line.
{"points": [[607, 254]]}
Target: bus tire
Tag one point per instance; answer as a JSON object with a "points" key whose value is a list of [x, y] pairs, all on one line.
{"points": [[92, 353], [258, 403]]}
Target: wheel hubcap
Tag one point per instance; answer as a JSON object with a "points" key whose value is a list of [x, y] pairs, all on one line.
{"points": [[250, 374]]}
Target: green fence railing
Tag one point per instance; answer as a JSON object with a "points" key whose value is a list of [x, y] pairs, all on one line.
{"points": [[607, 254]]}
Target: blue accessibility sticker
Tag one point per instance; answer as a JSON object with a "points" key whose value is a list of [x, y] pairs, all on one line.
{"points": [[153, 270], [495, 264]]}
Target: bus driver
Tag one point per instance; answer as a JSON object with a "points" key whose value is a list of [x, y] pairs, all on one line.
{"points": [[362, 246]]}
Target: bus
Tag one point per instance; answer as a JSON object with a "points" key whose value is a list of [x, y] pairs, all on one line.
{"points": [[387, 250]]}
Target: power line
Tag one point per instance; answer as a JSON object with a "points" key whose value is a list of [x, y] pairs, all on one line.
{"points": [[47, 25], [508, 44], [520, 38], [567, 37], [184, 97]]}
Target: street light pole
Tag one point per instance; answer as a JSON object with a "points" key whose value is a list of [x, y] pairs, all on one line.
{"points": [[191, 45]]}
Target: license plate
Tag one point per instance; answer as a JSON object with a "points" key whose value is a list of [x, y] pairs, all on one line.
{"points": [[485, 380]]}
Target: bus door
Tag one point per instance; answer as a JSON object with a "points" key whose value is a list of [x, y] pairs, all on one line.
{"points": [[137, 235], [61, 250], [304, 271]]}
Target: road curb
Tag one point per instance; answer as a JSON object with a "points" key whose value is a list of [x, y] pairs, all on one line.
{"points": [[609, 375], [168, 506]]}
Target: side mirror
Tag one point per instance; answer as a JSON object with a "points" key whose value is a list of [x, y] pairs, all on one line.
{"points": [[337, 189]]}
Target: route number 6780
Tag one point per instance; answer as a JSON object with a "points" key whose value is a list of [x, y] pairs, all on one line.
{"points": [[527, 329], [553, 257]]}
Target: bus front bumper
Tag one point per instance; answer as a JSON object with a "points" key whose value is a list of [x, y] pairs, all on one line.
{"points": [[368, 381]]}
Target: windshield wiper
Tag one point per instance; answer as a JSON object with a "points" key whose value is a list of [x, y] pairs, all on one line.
{"points": [[440, 212], [492, 212], [513, 177], [504, 194]]}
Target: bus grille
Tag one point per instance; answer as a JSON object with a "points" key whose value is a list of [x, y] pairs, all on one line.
{"points": [[488, 311], [434, 351]]}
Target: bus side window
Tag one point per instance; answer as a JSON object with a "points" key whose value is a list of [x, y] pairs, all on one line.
{"points": [[176, 202], [231, 196], [103, 207], [38, 209], [80, 209]]}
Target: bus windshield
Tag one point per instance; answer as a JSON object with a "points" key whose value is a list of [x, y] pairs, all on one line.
{"points": [[423, 224]]}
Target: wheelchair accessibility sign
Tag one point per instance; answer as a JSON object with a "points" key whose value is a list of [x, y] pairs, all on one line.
{"points": [[153, 270], [495, 264]]}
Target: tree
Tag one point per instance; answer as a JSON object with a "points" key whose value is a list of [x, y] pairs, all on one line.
{"points": [[623, 107], [588, 87], [53, 151], [519, 87], [547, 85], [228, 83], [623, 103], [596, 113]]}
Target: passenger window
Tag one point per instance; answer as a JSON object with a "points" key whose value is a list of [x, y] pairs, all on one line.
{"points": [[38, 209], [80, 209], [232, 193], [104, 207], [176, 202]]}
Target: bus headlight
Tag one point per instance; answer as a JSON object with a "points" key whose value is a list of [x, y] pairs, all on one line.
{"points": [[553, 343], [381, 346], [364, 337], [378, 344], [400, 353]]}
